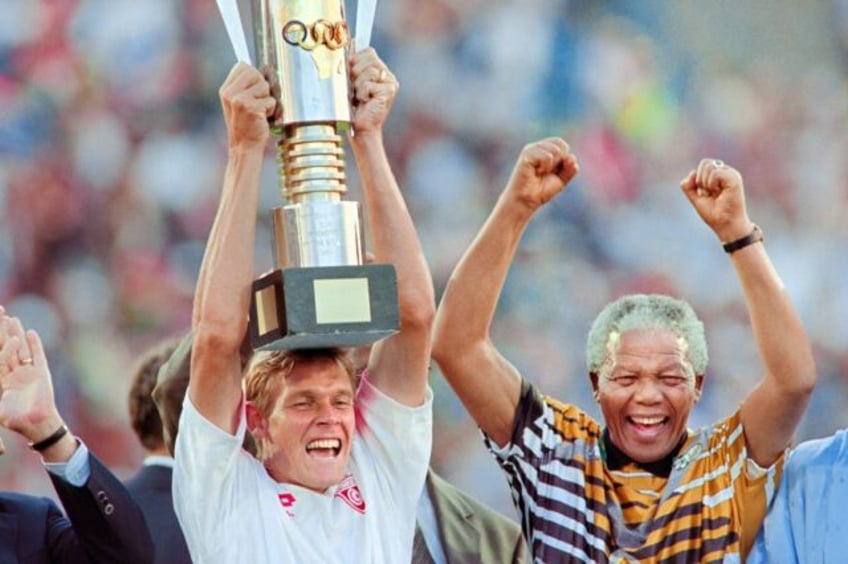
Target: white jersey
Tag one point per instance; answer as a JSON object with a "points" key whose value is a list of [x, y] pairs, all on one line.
{"points": [[232, 511]]}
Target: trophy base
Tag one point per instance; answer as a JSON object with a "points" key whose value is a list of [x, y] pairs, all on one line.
{"points": [[324, 307]]}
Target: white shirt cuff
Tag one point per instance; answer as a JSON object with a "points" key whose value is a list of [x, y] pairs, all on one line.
{"points": [[76, 470]]}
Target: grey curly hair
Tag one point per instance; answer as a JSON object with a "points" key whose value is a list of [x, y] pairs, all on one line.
{"points": [[646, 311]]}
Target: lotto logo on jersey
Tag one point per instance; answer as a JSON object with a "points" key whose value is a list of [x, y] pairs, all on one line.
{"points": [[349, 493], [287, 500]]}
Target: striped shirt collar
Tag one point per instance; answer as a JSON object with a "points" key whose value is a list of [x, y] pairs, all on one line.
{"points": [[615, 458]]}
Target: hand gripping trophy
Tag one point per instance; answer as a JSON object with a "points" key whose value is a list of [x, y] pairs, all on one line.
{"points": [[320, 294]]}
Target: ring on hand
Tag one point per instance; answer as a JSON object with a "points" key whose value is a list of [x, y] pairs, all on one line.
{"points": [[382, 76], [718, 163], [24, 361]]}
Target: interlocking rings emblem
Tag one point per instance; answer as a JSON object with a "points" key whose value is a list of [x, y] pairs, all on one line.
{"points": [[333, 35]]}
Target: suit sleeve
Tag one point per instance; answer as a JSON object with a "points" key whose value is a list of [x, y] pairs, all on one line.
{"points": [[522, 552], [106, 525]]}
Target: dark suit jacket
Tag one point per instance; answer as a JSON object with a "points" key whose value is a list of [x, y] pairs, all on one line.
{"points": [[103, 525], [151, 488], [470, 531]]}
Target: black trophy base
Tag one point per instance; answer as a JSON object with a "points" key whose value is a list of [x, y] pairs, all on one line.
{"points": [[324, 307]]}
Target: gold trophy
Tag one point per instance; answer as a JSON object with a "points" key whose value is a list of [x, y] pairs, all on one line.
{"points": [[320, 294]]}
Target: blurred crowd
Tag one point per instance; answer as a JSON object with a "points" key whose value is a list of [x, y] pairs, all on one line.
{"points": [[111, 157]]}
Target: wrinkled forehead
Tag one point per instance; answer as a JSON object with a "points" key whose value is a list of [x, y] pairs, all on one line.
{"points": [[647, 349], [318, 373]]}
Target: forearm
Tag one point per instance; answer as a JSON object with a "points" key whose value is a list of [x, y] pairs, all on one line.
{"points": [[392, 231], [780, 337], [488, 385], [399, 364], [772, 411], [470, 300], [222, 298]]}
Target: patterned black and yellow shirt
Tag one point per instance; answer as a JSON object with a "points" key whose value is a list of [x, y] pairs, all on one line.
{"points": [[576, 506]]}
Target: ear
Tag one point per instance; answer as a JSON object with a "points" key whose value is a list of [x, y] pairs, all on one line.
{"points": [[257, 424], [699, 386], [593, 378]]}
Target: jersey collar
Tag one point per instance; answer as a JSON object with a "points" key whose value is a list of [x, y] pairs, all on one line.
{"points": [[615, 459]]}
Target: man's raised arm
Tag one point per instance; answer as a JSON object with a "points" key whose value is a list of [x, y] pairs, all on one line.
{"points": [[398, 365], [484, 380], [773, 409], [222, 298]]}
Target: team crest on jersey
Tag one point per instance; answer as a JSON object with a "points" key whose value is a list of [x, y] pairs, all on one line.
{"points": [[682, 461], [349, 492]]}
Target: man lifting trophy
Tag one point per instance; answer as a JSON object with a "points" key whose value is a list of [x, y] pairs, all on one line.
{"points": [[320, 294], [341, 458]]}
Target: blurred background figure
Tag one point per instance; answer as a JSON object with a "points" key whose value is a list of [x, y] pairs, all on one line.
{"points": [[111, 151], [151, 485]]}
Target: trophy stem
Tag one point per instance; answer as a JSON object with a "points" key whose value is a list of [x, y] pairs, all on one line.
{"points": [[315, 227], [311, 163]]}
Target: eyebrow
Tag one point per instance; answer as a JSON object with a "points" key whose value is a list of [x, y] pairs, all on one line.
{"points": [[310, 393], [660, 369]]}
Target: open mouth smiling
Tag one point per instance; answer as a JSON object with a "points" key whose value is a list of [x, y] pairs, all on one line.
{"points": [[647, 421], [324, 447]]}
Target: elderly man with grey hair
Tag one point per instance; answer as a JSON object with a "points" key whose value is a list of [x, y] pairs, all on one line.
{"points": [[641, 486]]}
